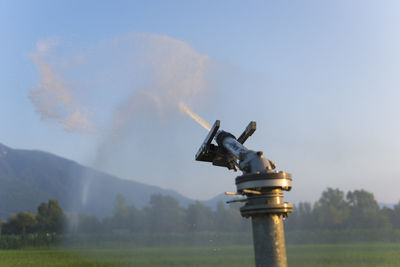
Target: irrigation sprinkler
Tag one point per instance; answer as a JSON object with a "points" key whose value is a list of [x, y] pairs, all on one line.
{"points": [[260, 184]]}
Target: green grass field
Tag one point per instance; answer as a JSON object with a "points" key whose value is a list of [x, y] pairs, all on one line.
{"points": [[299, 255]]}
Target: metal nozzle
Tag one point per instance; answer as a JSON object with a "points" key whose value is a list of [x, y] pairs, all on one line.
{"points": [[230, 152]]}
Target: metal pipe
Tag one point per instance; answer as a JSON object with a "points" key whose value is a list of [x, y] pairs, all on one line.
{"points": [[230, 143], [267, 211], [269, 240], [249, 161]]}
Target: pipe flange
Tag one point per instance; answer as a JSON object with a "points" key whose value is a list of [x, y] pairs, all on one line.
{"points": [[280, 180], [254, 210]]}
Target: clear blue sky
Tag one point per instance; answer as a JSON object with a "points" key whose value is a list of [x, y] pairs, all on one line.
{"points": [[321, 78]]}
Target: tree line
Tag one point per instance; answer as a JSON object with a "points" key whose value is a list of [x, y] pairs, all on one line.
{"points": [[163, 214], [335, 210], [49, 219]]}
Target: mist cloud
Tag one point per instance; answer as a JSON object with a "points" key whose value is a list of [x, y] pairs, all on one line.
{"points": [[110, 87], [53, 99], [176, 73]]}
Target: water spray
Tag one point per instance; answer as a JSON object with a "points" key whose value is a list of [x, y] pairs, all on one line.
{"points": [[261, 187], [194, 116]]}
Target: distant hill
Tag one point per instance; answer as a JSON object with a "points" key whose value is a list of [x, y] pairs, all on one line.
{"points": [[28, 178]]}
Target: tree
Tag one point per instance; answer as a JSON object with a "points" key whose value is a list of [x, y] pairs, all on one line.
{"points": [[88, 224], [26, 222], [50, 217], [21, 223], [199, 218], [395, 218], [332, 211], [163, 214], [227, 219], [120, 213], [119, 206], [11, 227], [242, 224], [302, 218], [385, 217], [365, 212], [124, 217]]}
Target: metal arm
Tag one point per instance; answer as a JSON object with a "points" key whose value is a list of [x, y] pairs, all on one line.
{"points": [[231, 152]]}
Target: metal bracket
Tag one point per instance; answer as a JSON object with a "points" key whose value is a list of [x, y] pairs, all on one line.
{"points": [[207, 150], [250, 129], [218, 156], [213, 153]]}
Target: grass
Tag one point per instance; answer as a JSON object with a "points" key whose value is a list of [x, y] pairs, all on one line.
{"points": [[192, 256], [362, 255], [298, 255]]}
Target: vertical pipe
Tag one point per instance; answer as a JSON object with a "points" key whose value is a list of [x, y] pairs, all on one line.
{"points": [[269, 240], [267, 211]]}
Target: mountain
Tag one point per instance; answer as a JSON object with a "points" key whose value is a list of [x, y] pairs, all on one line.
{"points": [[28, 178]]}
